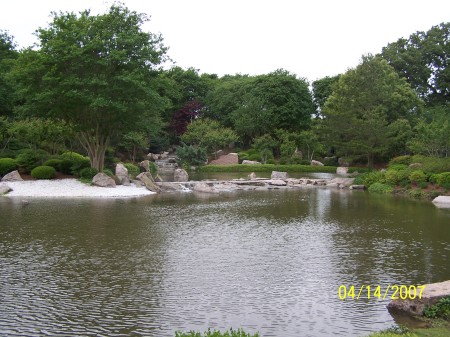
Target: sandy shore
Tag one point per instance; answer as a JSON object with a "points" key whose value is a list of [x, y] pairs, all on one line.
{"points": [[71, 188]]}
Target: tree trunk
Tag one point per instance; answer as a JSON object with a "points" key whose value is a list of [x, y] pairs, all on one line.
{"points": [[370, 160], [95, 145]]}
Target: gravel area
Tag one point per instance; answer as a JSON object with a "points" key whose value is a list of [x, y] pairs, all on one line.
{"points": [[71, 188]]}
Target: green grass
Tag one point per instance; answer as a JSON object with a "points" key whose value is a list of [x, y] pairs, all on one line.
{"points": [[268, 168]]}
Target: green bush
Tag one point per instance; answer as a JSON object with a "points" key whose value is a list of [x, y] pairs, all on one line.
{"points": [[191, 155], [440, 310], [432, 164], [43, 172], [418, 176], [7, 165], [133, 170], [423, 185], [29, 159], [108, 172], [374, 177], [380, 188], [404, 160], [441, 179], [55, 163], [392, 177], [416, 194], [398, 167], [77, 162], [216, 333], [88, 173]]}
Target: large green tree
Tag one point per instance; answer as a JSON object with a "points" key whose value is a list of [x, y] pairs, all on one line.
{"points": [[365, 101], [322, 89], [94, 72], [8, 54], [423, 60]]}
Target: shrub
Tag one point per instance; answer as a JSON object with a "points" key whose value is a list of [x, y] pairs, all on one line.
{"points": [[55, 163], [441, 179], [191, 155], [391, 177], [440, 310], [398, 167], [88, 173], [108, 172], [29, 159], [133, 170], [7, 165], [423, 184], [417, 176], [43, 172], [433, 164], [380, 188], [404, 160], [77, 162], [416, 194], [374, 177]]}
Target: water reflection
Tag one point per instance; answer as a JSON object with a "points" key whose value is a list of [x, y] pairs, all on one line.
{"points": [[269, 261]]}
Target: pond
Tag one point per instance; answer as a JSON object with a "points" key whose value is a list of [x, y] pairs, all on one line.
{"points": [[267, 261]]}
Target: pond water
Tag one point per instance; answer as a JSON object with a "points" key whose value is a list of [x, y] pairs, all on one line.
{"points": [[267, 261]]}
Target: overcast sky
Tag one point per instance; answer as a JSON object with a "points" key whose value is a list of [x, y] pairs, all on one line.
{"points": [[312, 39]]}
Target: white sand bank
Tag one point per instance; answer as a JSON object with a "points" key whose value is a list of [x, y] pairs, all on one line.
{"points": [[71, 188]]}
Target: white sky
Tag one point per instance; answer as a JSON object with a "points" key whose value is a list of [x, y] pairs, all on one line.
{"points": [[312, 39]]}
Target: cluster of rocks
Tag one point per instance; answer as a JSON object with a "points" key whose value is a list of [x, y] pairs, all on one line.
{"points": [[276, 181]]}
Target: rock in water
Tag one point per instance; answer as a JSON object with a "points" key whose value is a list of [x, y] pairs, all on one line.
{"points": [[252, 176], [103, 180], [316, 163], [12, 176], [278, 175], [148, 181], [342, 170], [180, 175]]}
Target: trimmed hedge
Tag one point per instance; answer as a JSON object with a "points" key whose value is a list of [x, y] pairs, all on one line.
{"points": [[73, 162], [7, 165], [267, 168], [55, 163], [43, 172]]}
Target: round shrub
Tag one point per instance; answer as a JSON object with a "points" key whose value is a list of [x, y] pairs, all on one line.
{"points": [[133, 170], [417, 176], [404, 160], [77, 162], [380, 188], [55, 163], [88, 173], [29, 159], [43, 172], [7, 165]]}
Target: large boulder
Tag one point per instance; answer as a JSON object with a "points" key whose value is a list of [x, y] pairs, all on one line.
{"points": [[278, 175], [316, 163], [180, 175], [103, 180], [204, 188], [122, 175], [12, 176], [342, 170], [442, 201], [148, 181], [342, 182], [4, 189], [431, 294], [145, 164]]}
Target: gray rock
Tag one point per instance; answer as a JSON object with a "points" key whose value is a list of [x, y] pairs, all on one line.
{"points": [[278, 175], [415, 166], [145, 164], [342, 170], [147, 179], [180, 175], [430, 295], [12, 176], [122, 175], [204, 188], [252, 176], [137, 183], [442, 201], [103, 180], [4, 189], [250, 162], [171, 187], [316, 163], [342, 181], [357, 187], [277, 182]]}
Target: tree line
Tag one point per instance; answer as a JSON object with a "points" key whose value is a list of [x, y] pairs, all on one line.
{"points": [[95, 84]]}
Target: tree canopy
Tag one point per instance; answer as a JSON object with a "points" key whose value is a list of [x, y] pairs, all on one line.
{"points": [[94, 72]]}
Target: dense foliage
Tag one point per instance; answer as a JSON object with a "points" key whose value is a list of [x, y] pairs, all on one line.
{"points": [[93, 86]]}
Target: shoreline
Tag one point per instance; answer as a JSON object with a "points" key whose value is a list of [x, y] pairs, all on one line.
{"points": [[70, 188]]}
